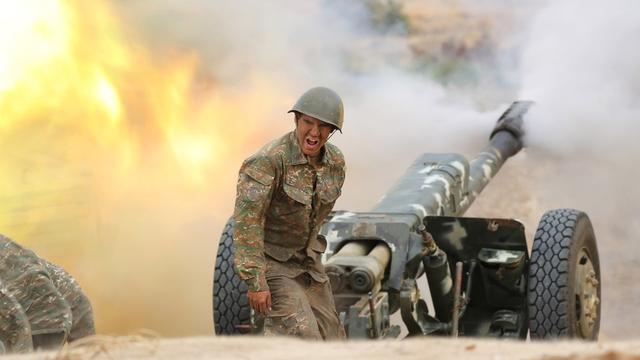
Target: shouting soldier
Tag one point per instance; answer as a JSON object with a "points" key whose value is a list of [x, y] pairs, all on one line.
{"points": [[284, 193]]}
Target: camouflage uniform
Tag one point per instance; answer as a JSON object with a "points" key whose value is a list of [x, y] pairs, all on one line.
{"points": [[15, 331], [81, 312], [53, 303], [281, 203]]}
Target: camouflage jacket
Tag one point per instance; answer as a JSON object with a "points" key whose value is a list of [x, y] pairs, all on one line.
{"points": [[53, 303], [281, 203]]}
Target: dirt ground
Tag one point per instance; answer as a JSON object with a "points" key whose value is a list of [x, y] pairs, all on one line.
{"points": [[268, 349]]}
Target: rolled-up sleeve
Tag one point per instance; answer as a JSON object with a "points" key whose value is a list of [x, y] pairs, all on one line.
{"points": [[253, 197]]}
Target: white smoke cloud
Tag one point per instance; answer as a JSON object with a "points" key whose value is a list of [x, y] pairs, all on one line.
{"points": [[580, 64], [581, 67], [392, 114]]}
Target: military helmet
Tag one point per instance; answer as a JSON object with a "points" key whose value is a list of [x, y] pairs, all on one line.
{"points": [[323, 104]]}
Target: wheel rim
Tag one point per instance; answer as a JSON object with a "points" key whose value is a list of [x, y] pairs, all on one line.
{"points": [[587, 299]]}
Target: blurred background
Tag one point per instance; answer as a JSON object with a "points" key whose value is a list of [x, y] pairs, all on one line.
{"points": [[123, 124]]}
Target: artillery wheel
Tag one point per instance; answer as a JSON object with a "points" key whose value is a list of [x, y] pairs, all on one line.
{"points": [[231, 311], [564, 278]]}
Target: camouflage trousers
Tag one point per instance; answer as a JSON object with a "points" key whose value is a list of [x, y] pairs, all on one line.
{"points": [[302, 307]]}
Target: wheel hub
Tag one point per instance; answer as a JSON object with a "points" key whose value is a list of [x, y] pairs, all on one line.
{"points": [[587, 299]]}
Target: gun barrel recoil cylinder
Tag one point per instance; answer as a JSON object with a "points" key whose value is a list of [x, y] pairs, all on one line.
{"points": [[358, 267]]}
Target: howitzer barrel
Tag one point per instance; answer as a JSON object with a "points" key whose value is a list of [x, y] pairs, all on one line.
{"points": [[505, 141], [447, 184]]}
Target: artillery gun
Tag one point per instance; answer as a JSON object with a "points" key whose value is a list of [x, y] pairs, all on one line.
{"points": [[481, 279]]}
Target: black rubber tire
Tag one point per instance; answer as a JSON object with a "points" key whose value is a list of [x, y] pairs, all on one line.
{"points": [[562, 236], [231, 311]]}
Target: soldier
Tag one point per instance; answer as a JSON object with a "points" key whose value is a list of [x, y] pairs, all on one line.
{"points": [[53, 304], [284, 193]]}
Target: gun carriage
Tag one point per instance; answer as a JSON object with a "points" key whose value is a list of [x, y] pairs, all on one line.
{"points": [[481, 279]]}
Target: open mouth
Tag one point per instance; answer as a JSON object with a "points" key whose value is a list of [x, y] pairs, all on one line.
{"points": [[312, 143]]}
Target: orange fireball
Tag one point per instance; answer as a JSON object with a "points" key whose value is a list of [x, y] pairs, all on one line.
{"points": [[119, 163]]}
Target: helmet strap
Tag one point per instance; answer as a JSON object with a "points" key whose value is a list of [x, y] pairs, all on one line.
{"points": [[330, 135]]}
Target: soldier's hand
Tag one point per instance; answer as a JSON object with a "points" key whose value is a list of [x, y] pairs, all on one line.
{"points": [[260, 301]]}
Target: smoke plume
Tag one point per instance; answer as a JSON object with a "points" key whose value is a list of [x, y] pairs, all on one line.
{"points": [[580, 66]]}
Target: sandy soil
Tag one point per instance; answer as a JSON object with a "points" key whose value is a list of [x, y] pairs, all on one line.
{"points": [[267, 349]]}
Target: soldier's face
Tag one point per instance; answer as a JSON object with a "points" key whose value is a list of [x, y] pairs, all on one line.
{"points": [[312, 134]]}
